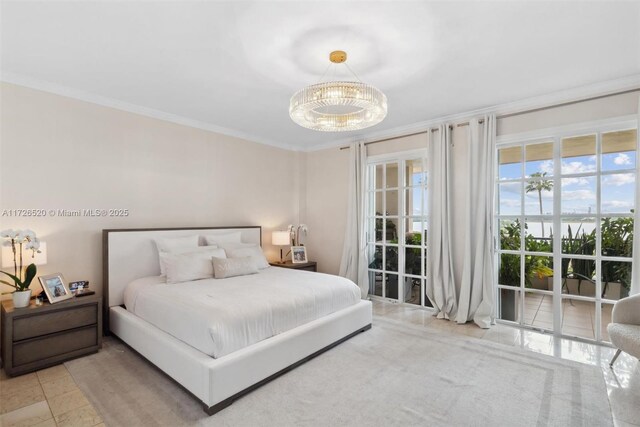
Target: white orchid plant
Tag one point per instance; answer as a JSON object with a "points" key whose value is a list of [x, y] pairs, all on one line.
{"points": [[295, 231], [19, 240]]}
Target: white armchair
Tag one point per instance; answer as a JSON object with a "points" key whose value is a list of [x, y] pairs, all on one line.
{"points": [[624, 329]]}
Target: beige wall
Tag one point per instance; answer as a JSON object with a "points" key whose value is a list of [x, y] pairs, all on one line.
{"points": [[60, 153], [327, 173]]}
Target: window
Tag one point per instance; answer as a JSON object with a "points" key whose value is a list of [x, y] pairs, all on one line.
{"points": [[397, 228], [565, 229]]}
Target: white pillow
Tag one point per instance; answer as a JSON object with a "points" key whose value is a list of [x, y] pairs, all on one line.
{"points": [[164, 255], [191, 265], [170, 244], [239, 250], [231, 267], [217, 239]]}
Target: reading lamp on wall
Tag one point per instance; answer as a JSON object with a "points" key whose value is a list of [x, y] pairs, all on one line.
{"points": [[281, 238]]}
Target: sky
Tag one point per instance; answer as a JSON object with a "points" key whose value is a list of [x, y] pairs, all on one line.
{"points": [[578, 194]]}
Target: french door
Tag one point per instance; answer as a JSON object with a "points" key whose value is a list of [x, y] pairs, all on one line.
{"points": [[397, 223], [564, 227]]}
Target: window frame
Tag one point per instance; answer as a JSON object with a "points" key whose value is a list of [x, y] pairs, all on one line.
{"points": [[557, 135]]}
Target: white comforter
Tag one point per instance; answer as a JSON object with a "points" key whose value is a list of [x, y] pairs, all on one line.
{"points": [[219, 316]]}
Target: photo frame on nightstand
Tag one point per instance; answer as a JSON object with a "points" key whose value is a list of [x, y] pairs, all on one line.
{"points": [[299, 254], [55, 288]]}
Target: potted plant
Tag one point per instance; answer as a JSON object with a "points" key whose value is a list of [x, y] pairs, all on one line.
{"points": [[21, 278]]}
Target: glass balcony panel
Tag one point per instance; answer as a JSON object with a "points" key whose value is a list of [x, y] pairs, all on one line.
{"points": [[509, 271], [510, 195], [538, 197], [539, 160], [509, 304], [510, 238], [579, 154], [412, 290], [616, 279], [414, 173], [538, 310], [619, 150], [391, 175], [510, 163], [379, 177], [618, 193], [617, 236], [391, 258], [578, 318], [578, 195], [538, 235], [391, 285], [375, 283], [413, 261]]}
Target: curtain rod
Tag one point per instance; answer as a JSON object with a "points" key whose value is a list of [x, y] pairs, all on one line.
{"points": [[504, 116]]}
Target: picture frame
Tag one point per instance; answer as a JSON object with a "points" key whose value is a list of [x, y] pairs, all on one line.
{"points": [[299, 254], [55, 288]]}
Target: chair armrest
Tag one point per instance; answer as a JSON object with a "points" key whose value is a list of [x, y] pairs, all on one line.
{"points": [[627, 311]]}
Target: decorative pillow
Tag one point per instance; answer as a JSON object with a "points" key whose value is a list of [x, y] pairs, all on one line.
{"points": [[217, 239], [170, 244], [231, 267], [191, 265], [164, 255], [244, 250]]}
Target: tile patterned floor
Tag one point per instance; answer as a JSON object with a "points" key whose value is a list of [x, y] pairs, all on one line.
{"points": [[578, 317], [51, 398], [623, 382], [45, 398]]}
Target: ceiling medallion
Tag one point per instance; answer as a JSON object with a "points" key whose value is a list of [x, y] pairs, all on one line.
{"points": [[338, 106]]}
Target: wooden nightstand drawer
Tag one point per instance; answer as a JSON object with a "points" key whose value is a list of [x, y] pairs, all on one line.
{"points": [[53, 345], [47, 323]]}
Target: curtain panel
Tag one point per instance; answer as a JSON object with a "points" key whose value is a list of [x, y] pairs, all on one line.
{"points": [[353, 264], [476, 301], [441, 288]]}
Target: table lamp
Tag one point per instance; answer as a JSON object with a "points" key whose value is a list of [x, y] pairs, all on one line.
{"points": [[281, 238]]}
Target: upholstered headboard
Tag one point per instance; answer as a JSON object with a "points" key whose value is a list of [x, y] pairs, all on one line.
{"points": [[130, 254]]}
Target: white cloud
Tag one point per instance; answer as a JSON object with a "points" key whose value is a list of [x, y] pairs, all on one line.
{"points": [[576, 181], [619, 179], [616, 204], [577, 167], [585, 195], [622, 159]]}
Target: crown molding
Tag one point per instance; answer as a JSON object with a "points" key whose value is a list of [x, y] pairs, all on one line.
{"points": [[544, 101], [548, 100], [80, 95]]}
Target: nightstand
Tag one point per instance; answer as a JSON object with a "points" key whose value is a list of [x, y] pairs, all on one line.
{"points": [[309, 266], [36, 337]]}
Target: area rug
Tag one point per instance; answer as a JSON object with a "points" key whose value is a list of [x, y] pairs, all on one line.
{"points": [[394, 374]]}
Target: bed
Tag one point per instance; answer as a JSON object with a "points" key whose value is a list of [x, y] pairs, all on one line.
{"points": [[202, 342]]}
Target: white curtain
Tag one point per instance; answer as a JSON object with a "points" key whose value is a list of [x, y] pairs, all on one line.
{"points": [[476, 301], [441, 288], [635, 270], [354, 253]]}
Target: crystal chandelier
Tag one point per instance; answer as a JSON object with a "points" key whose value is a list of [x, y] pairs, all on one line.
{"points": [[338, 106]]}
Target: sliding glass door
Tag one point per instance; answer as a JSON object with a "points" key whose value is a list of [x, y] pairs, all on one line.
{"points": [[565, 228], [397, 223]]}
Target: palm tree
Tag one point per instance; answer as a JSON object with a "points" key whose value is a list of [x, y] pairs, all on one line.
{"points": [[540, 185]]}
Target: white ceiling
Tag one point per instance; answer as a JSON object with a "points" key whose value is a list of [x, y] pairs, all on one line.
{"points": [[232, 66]]}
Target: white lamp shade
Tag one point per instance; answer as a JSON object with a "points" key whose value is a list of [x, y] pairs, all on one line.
{"points": [[281, 238], [28, 257]]}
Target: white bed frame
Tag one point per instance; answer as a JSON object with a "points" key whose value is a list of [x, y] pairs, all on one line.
{"points": [[131, 253]]}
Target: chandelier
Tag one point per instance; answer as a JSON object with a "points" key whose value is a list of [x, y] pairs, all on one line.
{"points": [[338, 106]]}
